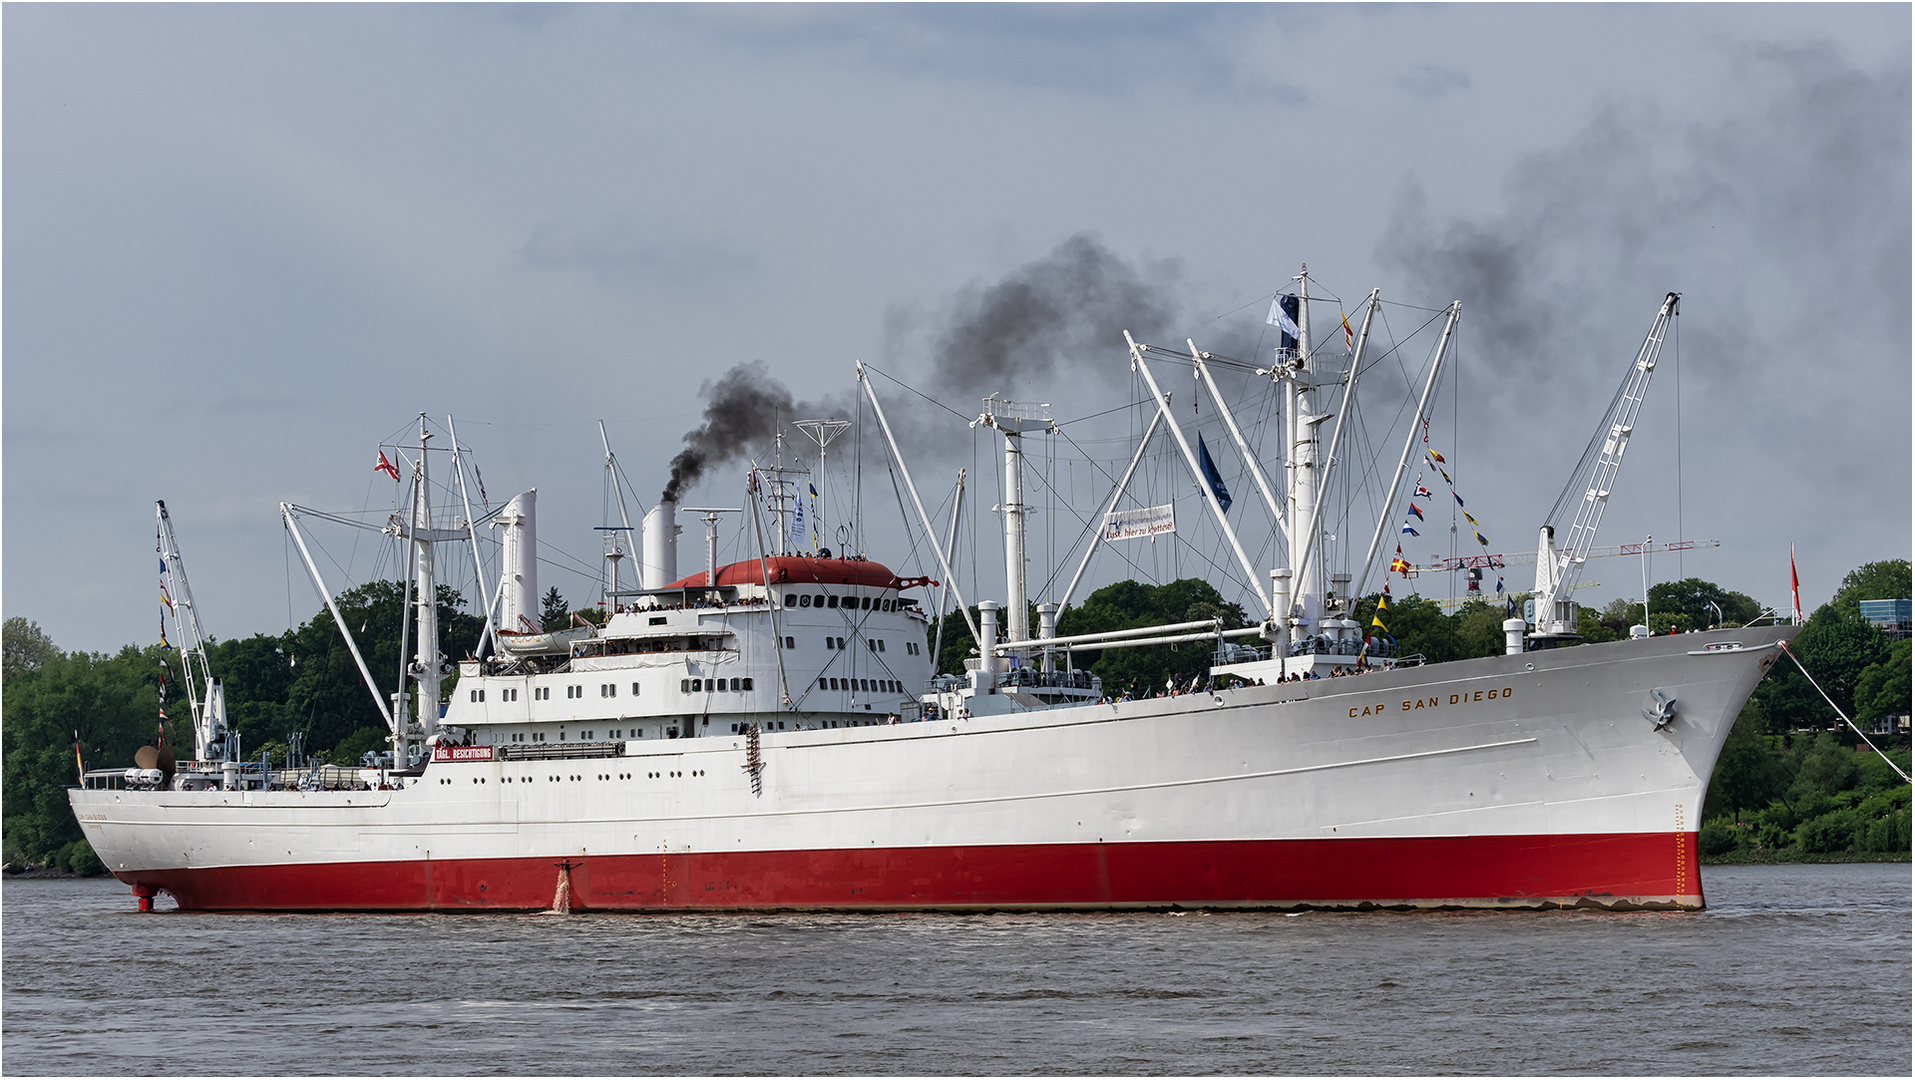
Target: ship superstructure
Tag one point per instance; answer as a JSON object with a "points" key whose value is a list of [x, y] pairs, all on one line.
{"points": [[770, 733]]}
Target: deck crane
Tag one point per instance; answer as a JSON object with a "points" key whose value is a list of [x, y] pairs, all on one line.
{"points": [[1558, 567], [214, 744]]}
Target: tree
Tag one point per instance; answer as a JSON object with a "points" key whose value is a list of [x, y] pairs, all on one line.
{"points": [[1419, 627], [956, 646], [109, 704], [23, 647], [328, 696], [1883, 689], [1126, 605], [1837, 646], [1665, 622], [1692, 597], [257, 675], [1479, 628], [553, 613], [1621, 614], [1887, 580], [1748, 775]]}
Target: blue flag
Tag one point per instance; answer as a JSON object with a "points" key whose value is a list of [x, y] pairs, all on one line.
{"points": [[1211, 475]]}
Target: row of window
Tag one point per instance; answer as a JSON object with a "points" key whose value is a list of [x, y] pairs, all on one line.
{"points": [[588, 736], [879, 686], [860, 603], [874, 644], [541, 693], [713, 686]]}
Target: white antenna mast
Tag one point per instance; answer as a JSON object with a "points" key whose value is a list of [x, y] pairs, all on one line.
{"points": [[821, 432]]}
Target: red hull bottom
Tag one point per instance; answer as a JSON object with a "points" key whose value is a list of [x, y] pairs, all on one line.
{"points": [[1621, 871]]}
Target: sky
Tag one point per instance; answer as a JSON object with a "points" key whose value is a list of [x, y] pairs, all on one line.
{"points": [[245, 246]]}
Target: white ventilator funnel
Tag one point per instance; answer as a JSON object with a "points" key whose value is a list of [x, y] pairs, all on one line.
{"points": [[659, 565], [519, 581]]}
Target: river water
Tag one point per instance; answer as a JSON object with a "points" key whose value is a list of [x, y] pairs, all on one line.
{"points": [[1792, 970]]}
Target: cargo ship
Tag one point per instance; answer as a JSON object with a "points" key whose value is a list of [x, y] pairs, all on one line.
{"points": [[770, 733]]}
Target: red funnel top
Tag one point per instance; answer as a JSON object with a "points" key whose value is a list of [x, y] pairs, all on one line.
{"points": [[800, 570]]}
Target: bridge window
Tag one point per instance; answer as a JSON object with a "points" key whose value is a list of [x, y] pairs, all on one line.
{"points": [[747, 682]]}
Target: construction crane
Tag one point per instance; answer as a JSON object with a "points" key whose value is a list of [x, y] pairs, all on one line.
{"points": [[1497, 562], [204, 694]]}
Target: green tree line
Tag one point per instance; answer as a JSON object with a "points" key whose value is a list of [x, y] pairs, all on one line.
{"points": [[1775, 779], [301, 683]]}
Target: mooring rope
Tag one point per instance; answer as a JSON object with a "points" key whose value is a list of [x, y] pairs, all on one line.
{"points": [[1843, 715]]}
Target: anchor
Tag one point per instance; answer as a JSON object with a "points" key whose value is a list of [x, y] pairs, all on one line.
{"points": [[1664, 712]]}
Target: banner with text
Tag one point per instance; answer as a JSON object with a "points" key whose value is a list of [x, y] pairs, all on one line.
{"points": [[1136, 524]]}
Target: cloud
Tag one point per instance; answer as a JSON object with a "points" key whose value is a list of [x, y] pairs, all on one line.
{"points": [[1097, 49], [628, 253], [1770, 213], [1428, 82]]}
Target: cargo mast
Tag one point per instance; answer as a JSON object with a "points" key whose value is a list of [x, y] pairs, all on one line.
{"points": [[204, 695]]}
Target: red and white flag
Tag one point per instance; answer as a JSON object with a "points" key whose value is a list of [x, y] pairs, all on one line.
{"points": [[1795, 587], [386, 466]]}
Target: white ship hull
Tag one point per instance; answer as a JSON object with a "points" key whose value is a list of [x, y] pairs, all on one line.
{"points": [[1531, 780]]}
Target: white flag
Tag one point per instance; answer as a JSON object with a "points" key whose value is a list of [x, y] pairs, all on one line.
{"points": [[798, 533], [1281, 319]]}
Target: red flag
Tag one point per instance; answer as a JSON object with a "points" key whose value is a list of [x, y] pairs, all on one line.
{"points": [[386, 467], [1795, 587]]}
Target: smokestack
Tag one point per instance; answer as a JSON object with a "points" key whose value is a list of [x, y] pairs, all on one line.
{"points": [[659, 565], [519, 587]]}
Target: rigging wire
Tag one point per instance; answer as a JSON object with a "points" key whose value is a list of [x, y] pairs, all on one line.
{"points": [[1675, 331]]}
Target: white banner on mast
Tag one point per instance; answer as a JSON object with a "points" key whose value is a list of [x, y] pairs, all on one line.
{"points": [[1137, 524]]}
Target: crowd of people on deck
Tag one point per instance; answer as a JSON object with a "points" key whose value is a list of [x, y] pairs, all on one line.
{"points": [[1176, 686]]}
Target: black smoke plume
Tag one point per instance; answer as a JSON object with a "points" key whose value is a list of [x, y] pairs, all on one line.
{"points": [[1062, 312], [1790, 211], [1069, 307], [743, 407]]}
